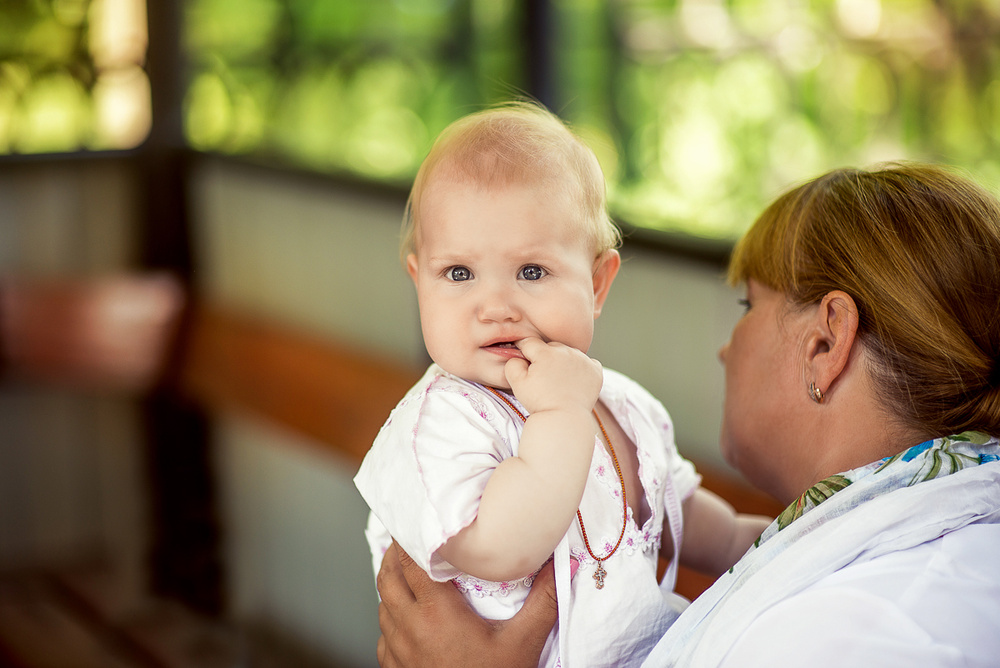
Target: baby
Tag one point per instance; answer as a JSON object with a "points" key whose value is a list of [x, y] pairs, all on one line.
{"points": [[515, 446]]}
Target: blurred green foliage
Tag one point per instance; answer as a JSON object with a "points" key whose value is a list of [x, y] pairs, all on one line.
{"points": [[354, 86], [701, 111], [716, 106], [71, 75]]}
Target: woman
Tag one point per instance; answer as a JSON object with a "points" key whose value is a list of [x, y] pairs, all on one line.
{"points": [[862, 388]]}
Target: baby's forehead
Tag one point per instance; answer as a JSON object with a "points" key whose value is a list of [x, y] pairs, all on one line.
{"points": [[560, 201], [492, 173], [448, 205]]}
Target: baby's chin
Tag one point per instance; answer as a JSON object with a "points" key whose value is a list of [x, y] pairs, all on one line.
{"points": [[496, 382]]}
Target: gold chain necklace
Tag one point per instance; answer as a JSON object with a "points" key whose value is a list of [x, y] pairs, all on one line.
{"points": [[600, 573]]}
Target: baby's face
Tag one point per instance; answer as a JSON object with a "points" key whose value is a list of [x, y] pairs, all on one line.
{"points": [[495, 266]]}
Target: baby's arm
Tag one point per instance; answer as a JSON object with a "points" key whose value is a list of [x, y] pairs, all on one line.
{"points": [[530, 500], [715, 535]]}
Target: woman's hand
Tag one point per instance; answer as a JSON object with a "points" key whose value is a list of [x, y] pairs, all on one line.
{"points": [[428, 624]]}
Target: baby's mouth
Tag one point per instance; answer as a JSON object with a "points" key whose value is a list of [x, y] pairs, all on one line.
{"points": [[502, 344], [506, 349]]}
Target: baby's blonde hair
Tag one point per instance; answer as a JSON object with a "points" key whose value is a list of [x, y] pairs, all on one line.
{"points": [[516, 143]]}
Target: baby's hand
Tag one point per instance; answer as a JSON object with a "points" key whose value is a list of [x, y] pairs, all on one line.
{"points": [[554, 377]]}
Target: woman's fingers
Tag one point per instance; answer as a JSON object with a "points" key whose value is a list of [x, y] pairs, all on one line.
{"points": [[427, 624], [393, 587], [381, 653], [395, 595], [524, 635], [423, 622], [419, 584]]}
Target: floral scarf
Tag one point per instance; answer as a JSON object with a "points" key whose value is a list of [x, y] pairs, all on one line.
{"points": [[889, 505]]}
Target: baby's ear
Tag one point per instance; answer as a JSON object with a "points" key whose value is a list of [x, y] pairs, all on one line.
{"points": [[606, 267], [411, 267]]}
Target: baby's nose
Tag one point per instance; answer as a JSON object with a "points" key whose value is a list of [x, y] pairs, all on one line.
{"points": [[497, 305]]}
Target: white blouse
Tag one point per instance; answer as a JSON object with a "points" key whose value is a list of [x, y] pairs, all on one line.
{"points": [[933, 605]]}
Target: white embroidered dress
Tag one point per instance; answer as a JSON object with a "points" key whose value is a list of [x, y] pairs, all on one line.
{"points": [[425, 474]]}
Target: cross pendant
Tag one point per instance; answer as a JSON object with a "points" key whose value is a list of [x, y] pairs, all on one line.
{"points": [[599, 575]]}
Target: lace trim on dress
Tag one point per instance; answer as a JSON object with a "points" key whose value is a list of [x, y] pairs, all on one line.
{"points": [[474, 586], [635, 540]]}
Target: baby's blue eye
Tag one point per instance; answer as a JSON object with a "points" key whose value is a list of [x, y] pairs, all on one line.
{"points": [[459, 273], [531, 272]]}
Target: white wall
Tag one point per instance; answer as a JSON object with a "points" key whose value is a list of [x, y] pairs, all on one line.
{"points": [[296, 558], [325, 260]]}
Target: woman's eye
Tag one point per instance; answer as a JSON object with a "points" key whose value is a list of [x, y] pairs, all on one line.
{"points": [[745, 303], [531, 272], [459, 273]]}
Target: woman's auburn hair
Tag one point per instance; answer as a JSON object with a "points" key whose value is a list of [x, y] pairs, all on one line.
{"points": [[516, 143], [917, 247]]}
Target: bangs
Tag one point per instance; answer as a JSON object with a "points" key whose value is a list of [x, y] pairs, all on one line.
{"points": [[786, 247], [766, 252]]}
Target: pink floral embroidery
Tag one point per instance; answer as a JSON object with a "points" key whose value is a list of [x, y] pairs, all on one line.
{"points": [[474, 586]]}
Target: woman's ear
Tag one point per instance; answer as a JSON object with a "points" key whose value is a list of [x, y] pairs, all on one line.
{"points": [[606, 267], [831, 340]]}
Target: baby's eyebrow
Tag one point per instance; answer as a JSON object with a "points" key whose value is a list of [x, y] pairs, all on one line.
{"points": [[448, 259], [539, 255]]}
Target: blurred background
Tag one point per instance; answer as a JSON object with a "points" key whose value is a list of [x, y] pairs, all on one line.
{"points": [[202, 314]]}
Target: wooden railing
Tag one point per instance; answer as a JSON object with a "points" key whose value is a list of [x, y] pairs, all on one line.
{"points": [[337, 395]]}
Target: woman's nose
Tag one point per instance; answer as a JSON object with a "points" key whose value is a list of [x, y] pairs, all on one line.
{"points": [[723, 351]]}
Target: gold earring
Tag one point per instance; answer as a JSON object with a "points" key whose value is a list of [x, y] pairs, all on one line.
{"points": [[815, 393]]}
